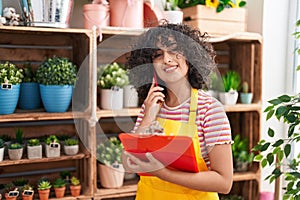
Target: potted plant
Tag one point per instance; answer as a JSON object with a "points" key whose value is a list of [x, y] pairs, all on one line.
{"points": [[75, 186], [20, 182], [52, 146], [96, 14], [27, 192], [231, 81], [15, 151], [10, 79], [29, 91], [11, 191], [57, 77], [59, 186], [110, 168], [172, 12], [241, 155], [245, 95], [71, 146], [2, 147], [111, 80], [34, 149], [44, 189]]}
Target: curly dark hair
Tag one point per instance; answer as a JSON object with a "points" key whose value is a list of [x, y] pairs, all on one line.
{"points": [[190, 42]]}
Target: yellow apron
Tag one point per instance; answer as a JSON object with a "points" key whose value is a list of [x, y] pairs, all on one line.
{"points": [[153, 188]]}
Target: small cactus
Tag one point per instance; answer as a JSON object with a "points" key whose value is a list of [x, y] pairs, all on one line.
{"points": [[245, 87]]}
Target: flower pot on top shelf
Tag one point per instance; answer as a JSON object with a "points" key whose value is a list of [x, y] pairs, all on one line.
{"points": [[111, 80], [231, 81], [172, 12], [56, 76], [30, 97], [10, 79], [110, 168], [96, 15], [216, 21]]}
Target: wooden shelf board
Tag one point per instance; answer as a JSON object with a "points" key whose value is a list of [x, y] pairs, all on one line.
{"points": [[8, 162], [118, 113], [82, 197], [243, 107], [40, 114], [124, 191], [243, 176]]}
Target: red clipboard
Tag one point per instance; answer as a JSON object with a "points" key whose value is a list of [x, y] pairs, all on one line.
{"points": [[173, 151]]}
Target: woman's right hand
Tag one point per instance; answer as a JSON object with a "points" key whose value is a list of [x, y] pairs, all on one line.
{"points": [[153, 102]]}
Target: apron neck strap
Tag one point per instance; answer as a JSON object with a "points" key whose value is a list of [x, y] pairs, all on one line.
{"points": [[193, 106]]}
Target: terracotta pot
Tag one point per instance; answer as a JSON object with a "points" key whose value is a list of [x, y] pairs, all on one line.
{"points": [[44, 194], [10, 198], [95, 15], [60, 192], [75, 190], [27, 197]]}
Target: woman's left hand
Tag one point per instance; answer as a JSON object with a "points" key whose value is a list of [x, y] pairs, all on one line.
{"points": [[133, 164]]}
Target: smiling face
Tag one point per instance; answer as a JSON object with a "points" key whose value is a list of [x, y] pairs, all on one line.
{"points": [[169, 64]]}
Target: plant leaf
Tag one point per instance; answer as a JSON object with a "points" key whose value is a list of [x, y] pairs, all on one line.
{"points": [[287, 150]]}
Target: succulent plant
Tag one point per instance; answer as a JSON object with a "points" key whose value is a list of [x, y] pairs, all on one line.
{"points": [[109, 152], [33, 142], [15, 145], [231, 81], [51, 139], [245, 87], [71, 141], [44, 185], [1, 143], [75, 181], [59, 182]]}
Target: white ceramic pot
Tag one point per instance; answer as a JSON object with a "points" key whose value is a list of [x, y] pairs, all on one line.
{"points": [[130, 97], [34, 152], [174, 16], [71, 150], [112, 99], [111, 177], [52, 152], [15, 154], [1, 154], [229, 98]]}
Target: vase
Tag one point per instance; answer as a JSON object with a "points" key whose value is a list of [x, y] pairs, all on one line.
{"points": [[127, 13], [60, 192], [56, 98], [95, 15], [52, 151], [71, 150], [1, 154], [44, 194], [75, 190], [228, 98], [34, 152], [174, 16], [112, 99], [9, 99], [246, 98], [15, 154], [27, 197], [29, 96], [111, 177], [131, 98]]}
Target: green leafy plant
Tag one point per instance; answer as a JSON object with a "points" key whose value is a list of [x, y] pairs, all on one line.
{"points": [[112, 75], [231, 81], [9, 73], [19, 135], [51, 139], [59, 183], [15, 145], [56, 71], [240, 150], [220, 5], [9, 187], [75, 181], [33, 142], [171, 5], [109, 152], [277, 152], [44, 185], [29, 74], [27, 187], [1, 143], [71, 141], [20, 181], [215, 82]]}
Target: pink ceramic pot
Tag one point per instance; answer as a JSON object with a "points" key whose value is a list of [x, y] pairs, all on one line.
{"points": [[95, 14]]}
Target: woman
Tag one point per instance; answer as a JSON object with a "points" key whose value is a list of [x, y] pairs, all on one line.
{"points": [[179, 59]]}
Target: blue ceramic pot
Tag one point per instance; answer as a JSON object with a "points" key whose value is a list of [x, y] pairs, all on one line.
{"points": [[29, 96], [9, 99], [246, 98], [56, 98]]}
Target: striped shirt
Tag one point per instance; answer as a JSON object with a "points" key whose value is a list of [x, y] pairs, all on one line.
{"points": [[212, 122]]}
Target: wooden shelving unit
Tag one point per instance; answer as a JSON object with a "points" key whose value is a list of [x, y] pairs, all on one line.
{"points": [[241, 52]]}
